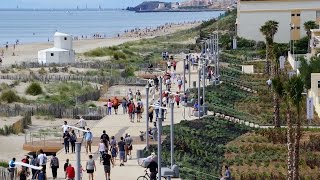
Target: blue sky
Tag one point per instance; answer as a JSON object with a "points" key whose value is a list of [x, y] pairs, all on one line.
{"points": [[71, 3]]}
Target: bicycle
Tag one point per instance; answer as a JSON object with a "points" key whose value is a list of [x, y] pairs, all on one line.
{"points": [[146, 176]]}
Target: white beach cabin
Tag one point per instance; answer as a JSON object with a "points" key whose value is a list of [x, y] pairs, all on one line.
{"points": [[61, 53]]}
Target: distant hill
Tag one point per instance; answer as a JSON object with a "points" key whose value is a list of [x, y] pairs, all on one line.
{"points": [[150, 6]]}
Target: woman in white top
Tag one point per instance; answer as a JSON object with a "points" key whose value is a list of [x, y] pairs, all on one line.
{"points": [[101, 148]]}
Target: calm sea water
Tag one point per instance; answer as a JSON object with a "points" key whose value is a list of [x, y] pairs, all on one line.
{"points": [[38, 26]]}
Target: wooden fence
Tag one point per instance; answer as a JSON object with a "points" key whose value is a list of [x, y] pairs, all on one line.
{"points": [[72, 77], [55, 110]]}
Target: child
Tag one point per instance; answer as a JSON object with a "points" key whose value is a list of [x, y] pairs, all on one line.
{"points": [[66, 164], [81, 170]]}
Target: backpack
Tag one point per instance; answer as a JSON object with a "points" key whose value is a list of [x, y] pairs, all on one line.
{"points": [[73, 138], [45, 159], [54, 162]]}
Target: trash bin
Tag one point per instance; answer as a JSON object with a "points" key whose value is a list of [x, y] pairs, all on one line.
{"points": [[194, 83], [139, 154]]}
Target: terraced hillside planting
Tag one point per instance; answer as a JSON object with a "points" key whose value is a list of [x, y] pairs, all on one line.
{"points": [[200, 146]]}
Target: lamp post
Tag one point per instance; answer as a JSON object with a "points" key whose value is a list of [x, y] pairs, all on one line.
{"points": [[172, 135], [147, 117], [78, 163], [160, 131]]}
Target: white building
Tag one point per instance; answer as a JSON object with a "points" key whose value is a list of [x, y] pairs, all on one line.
{"points": [[61, 53], [252, 14]]}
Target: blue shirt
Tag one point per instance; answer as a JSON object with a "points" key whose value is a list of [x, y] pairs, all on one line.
{"points": [[11, 164], [196, 106], [228, 174], [89, 136]]}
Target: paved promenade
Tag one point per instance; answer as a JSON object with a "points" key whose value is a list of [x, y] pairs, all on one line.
{"points": [[119, 125]]}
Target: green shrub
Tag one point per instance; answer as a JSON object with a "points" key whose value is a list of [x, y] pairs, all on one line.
{"points": [[4, 164], [9, 96], [42, 71], [119, 55], [34, 89], [128, 72]]}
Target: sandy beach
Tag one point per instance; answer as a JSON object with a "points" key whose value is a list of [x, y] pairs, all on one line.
{"points": [[29, 52]]}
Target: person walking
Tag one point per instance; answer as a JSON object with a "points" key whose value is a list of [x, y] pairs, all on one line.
{"points": [[107, 161], [23, 174], [73, 140], [156, 108], [128, 141], [82, 124], [54, 164], [115, 104], [41, 175], [105, 138], [65, 127], [139, 112], [124, 104], [88, 139], [42, 160], [131, 109], [34, 162], [121, 147], [109, 105], [177, 99], [65, 166], [113, 149], [66, 140], [101, 148], [174, 65], [91, 167], [12, 168], [227, 174], [179, 84], [150, 113], [70, 172]]}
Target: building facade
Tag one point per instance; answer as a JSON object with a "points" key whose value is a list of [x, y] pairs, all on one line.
{"points": [[61, 53], [291, 15]]}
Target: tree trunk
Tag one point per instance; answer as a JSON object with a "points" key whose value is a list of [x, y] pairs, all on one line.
{"points": [[296, 152], [276, 117], [289, 144], [267, 58]]}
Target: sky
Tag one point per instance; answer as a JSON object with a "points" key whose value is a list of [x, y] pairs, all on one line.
{"points": [[72, 3]]}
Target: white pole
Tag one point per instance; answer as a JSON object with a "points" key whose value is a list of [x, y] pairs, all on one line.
{"points": [[172, 135], [159, 131], [147, 117], [78, 165]]}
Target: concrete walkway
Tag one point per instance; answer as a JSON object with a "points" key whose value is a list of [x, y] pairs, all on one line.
{"points": [[118, 125]]}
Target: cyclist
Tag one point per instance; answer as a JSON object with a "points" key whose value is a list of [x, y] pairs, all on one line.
{"points": [[153, 168]]}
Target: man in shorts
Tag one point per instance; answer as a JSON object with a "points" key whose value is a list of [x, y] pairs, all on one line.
{"points": [[107, 161], [122, 151]]}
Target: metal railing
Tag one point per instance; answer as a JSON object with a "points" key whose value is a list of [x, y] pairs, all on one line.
{"points": [[5, 174]]}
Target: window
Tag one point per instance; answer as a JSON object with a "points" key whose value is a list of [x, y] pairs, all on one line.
{"points": [[292, 14], [318, 84], [52, 54], [65, 38], [298, 14], [298, 27]]}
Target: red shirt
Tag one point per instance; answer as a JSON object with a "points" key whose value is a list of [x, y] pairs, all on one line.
{"points": [[70, 172]]}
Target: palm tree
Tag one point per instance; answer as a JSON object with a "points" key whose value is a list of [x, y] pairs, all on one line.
{"points": [[294, 92], [269, 29], [308, 26]]}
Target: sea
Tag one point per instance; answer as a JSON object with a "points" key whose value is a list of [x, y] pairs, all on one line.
{"points": [[30, 26]]}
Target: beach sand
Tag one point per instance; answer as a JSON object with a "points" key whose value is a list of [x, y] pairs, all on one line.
{"points": [[29, 52]]}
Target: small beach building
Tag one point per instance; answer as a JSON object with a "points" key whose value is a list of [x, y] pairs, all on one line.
{"points": [[61, 53], [291, 15]]}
